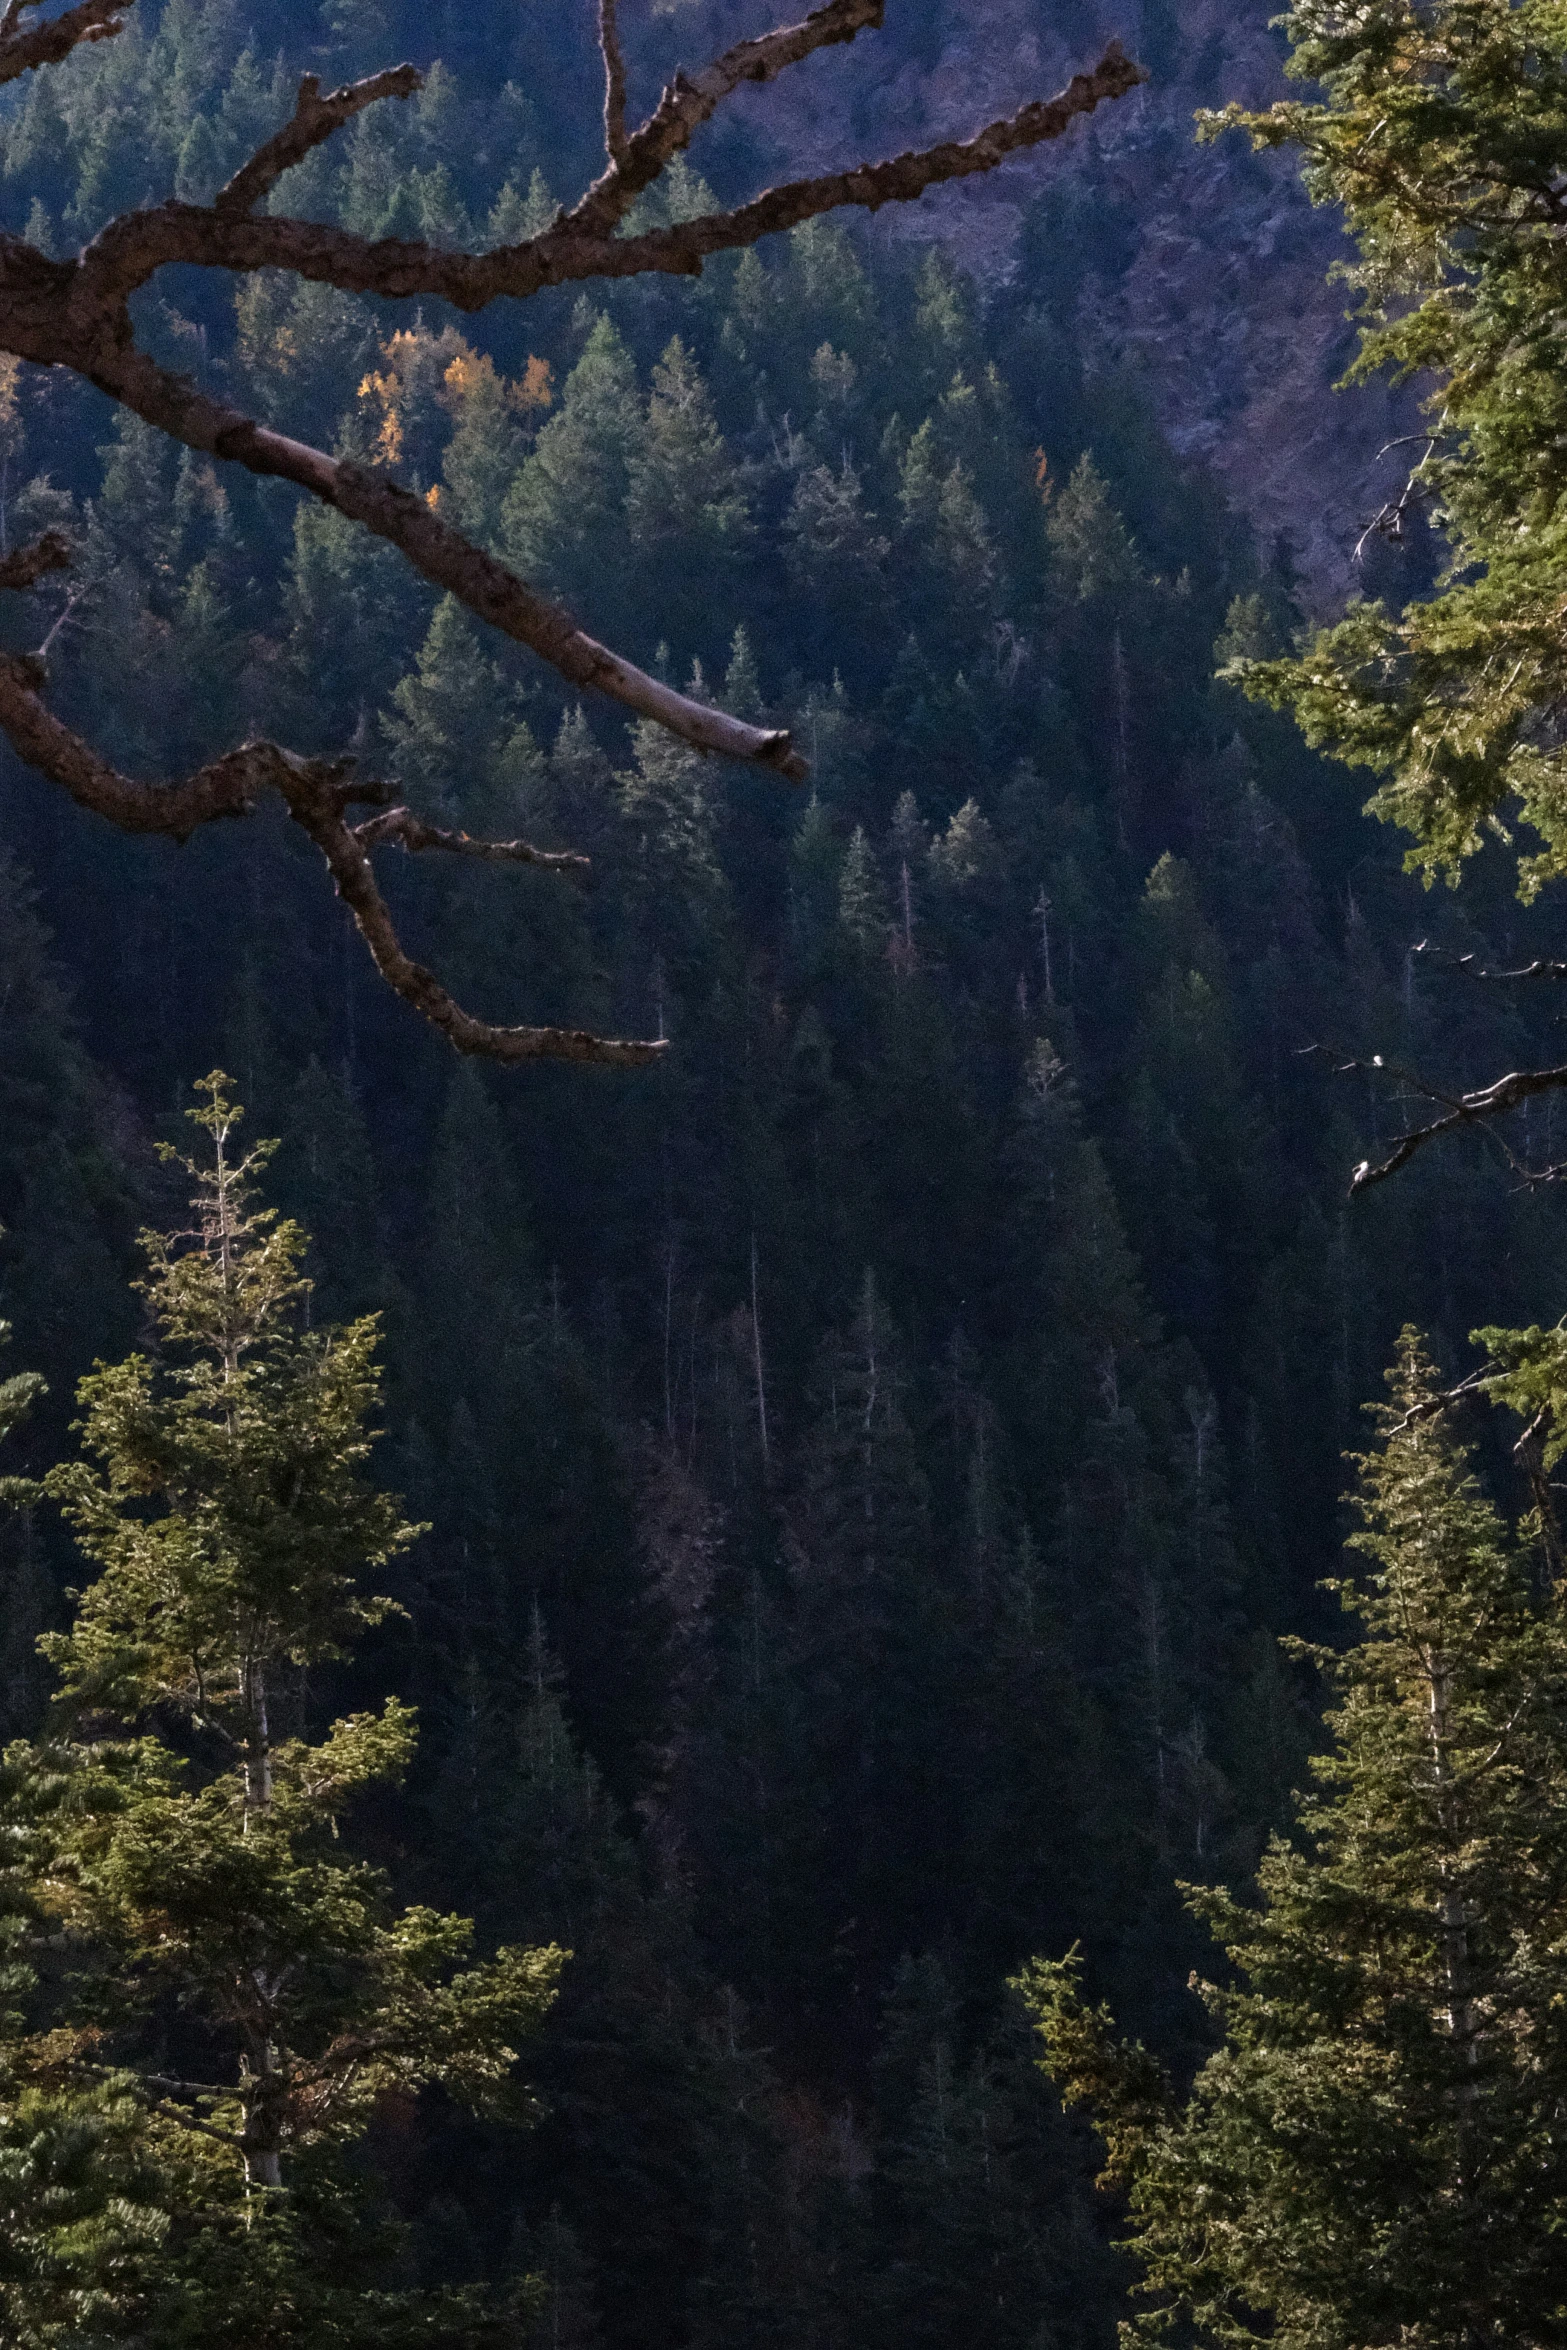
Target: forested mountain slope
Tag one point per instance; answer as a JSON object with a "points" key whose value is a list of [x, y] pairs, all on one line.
{"points": [[867, 1456], [1204, 269]]}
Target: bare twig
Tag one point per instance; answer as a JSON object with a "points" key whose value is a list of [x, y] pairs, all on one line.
{"points": [[314, 119], [62, 620], [1388, 523], [614, 82], [411, 832], [1469, 968]]}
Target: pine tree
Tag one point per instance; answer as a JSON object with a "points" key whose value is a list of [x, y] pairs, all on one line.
{"points": [[686, 507], [567, 505], [1373, 2156], [453, 719], [1092, 553], [180, 1833]]}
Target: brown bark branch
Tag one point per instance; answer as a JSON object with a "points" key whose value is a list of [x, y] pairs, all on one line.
{"points": [[411, 832], [441, 553], [317, 794], [688, 103], [313, 121], [46, 44], [74, 314], [582, 244], [868, 186], [614, 82], [1477, 1108]]}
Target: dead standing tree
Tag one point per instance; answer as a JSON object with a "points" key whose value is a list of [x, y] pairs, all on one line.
{"points": [[75, 314]]}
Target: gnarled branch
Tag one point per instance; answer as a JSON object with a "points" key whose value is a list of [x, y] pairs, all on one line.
{"points": [[582, 244], [74, 314], [442, 554], [900, 180], [318, 794], [687, 103], [411, 832], [24, 47], [1479, 1108], [313, 121]]}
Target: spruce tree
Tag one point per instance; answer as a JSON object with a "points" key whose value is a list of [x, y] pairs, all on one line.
{"points": [[238, 1989], [1374, 2154]]}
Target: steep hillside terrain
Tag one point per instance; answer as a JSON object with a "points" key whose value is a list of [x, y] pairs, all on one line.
{"points": [[1205, 269]]}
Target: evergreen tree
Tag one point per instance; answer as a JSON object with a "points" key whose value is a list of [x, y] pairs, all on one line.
{"points": [[1440, 130], [1372, 2156], [685, 506], [568, 502], [179, 1832]]}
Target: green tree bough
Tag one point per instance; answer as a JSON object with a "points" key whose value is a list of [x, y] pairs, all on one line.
{"points": [[206, 1996], [1374, 2155], [1443, 135]]}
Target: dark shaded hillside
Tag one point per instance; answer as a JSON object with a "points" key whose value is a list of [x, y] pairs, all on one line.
{"points": [[868, 1456]]}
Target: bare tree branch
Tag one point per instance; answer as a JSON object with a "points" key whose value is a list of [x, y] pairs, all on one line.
{"points": [[74, 314], [313, 121], [89, 294], [1469, 968], [1478, 1108], [317, 794], [686, 104], [411, 832], [21, 49], [614, 82], [900, 180], [442, 554]]}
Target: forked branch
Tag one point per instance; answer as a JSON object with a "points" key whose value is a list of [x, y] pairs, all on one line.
{"points": [[75, 314], [312, 123], [1480, 1108], [318, 794]]}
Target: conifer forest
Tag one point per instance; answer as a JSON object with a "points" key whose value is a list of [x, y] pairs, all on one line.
{"points": [[783, 1175]]}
